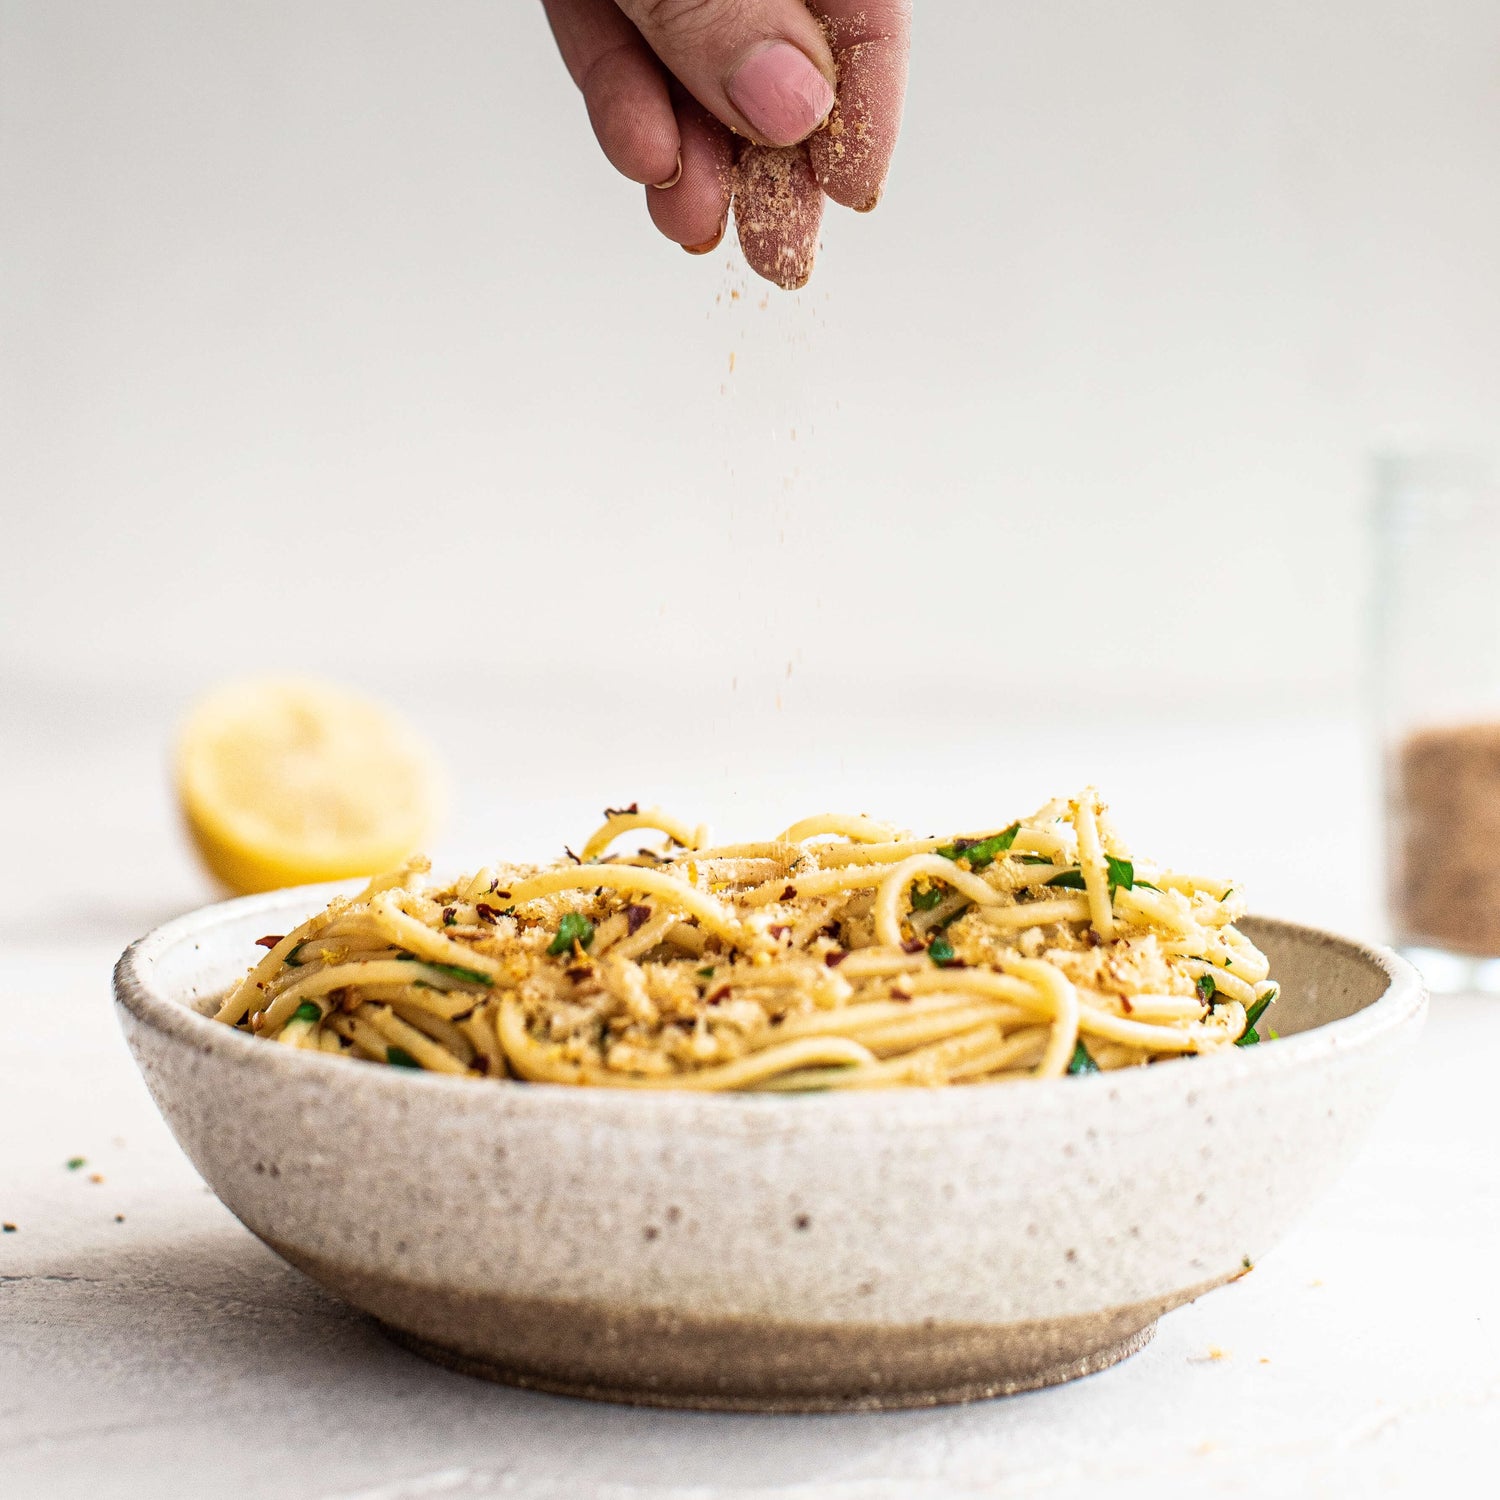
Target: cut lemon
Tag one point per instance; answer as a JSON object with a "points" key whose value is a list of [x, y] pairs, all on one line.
{"points": [[286, 782]]}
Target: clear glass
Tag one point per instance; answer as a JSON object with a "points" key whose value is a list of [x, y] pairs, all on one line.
{"points": [[1436, 688]]}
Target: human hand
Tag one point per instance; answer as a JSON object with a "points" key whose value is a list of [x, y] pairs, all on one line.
{"points": [[772, 104]]}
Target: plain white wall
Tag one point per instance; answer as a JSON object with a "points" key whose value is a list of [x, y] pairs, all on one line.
{"points": [[329, 339]]}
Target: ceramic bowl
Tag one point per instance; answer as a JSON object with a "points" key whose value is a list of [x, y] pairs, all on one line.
{"points": [[768, 1252]]}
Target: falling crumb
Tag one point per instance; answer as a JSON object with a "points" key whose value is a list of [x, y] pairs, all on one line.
{"points": [[734, 296], [731, 361], [1264, 1360], [96, 1176], [1318, 1282], [1214, 1356], [119, 1218], [1207, 1446], [8, 1228]]}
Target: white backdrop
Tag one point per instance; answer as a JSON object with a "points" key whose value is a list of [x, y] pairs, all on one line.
{"points": [[325, 323]]}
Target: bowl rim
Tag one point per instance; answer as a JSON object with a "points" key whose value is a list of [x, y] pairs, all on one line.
{"points": [[1403, 1003]]}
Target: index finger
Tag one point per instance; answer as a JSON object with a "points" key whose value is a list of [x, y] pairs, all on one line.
{"points": [[871, 41]]}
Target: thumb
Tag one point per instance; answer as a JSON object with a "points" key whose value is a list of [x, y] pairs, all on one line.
{"points": [[762, 66]]}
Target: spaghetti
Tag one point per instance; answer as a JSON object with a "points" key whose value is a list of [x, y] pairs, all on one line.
{"points": [[841, 954]]}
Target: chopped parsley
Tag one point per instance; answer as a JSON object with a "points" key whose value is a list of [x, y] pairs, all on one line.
{"points": [[1250, 1036], [309, 1010], [981, 853], [574, 928], [926, 899], [707, 973], [940, 951], [1033, 859], [1082, 1062], [74, 1162], [1207, 988], [454, 971], [1121, 874], [294, 959], [399, 1057]]}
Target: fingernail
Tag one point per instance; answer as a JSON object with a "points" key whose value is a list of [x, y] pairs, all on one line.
{"points": [[781, 93], [709, 245], [673, 180]]}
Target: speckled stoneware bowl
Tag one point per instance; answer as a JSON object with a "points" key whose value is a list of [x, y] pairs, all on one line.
{"points": [[768, 1253]]}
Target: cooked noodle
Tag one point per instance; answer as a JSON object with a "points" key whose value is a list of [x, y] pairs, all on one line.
{"points": [[842, 954]]}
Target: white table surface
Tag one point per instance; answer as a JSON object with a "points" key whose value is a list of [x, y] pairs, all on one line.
{"points": [[149, 1346]]}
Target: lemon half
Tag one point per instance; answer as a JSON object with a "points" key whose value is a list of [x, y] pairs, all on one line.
{"points": [[289, 781]]}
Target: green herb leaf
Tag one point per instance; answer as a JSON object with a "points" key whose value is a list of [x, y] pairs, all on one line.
{"points": [[74, 1162], [574, 928], [1069, 880], [455, 971], [1207, 988], [940, 951], [1082, 1062], [399, 1057], [1145, 885], [707, 973], [925, 900], [1251, 1036], [294, 959], [953, 916], [981, 853], [309, 1010], [1033, 859], [1121, 874]]}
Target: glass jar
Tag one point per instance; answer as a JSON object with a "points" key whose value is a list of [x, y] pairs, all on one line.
{"points": [[1437, 697]]}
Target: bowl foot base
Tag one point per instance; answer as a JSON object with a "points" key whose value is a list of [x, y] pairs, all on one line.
{"points": [[770, 1400]]}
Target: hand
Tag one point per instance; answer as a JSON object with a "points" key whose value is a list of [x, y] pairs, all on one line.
{"points": [[770, 103]]}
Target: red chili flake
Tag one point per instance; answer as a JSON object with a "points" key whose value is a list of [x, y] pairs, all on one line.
{"points": [[913, 945], [620, 812], [714, 996], [270, 941], [833, 960], [636, 917], [487, 913], [1129, 1008], [789, 894], [450, 915], [780, 930]]}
